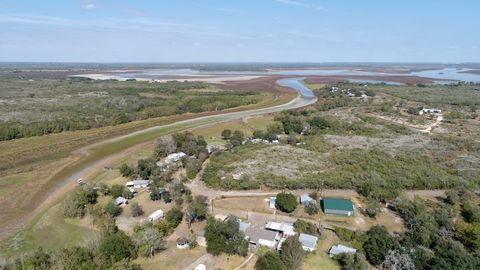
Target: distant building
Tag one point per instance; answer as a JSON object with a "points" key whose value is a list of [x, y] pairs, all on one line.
{"points": [[155, 216], [339, 249], [342, 207], [309, 242], [121, 201], [305, 198], [138, 183], [429, 110]]}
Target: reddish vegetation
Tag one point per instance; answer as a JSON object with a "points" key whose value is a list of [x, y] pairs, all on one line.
{"points": [[264, 84]]}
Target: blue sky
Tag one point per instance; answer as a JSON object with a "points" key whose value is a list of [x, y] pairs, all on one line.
{"points": [[240, 30]]}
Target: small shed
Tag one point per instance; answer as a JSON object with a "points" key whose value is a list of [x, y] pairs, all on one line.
{"points": [[341, 207], [272, 202], [121, 201], [339, 249], [305, 198], [182, 243], [309, 242]]}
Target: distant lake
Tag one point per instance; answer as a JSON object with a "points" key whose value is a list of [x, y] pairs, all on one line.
{"points": [[448, 74], [296, 83]]}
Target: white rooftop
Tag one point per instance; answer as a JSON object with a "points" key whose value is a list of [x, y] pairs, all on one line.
{"points": [[338, 249]]}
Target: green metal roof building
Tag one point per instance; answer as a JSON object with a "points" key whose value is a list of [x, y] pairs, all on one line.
{"points": [[342, 207]]}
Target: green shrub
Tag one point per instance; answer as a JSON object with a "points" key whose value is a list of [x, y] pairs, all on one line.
{"points": [[286, 202]]}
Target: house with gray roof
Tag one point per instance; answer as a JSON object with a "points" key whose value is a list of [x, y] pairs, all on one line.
{"points": [[258, 235], [309, 242]]}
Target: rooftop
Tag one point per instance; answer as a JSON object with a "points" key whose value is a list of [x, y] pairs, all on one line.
{"points": [[338, 249], [308, 240], [337, 204]]}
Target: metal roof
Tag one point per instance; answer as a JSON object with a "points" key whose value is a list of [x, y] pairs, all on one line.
{"points": [[338, 249], [308, 240], [305, 198], [337, 204]]}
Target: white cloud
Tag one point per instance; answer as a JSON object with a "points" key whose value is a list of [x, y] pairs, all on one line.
{"points": [[300, 4], [89, 6]]}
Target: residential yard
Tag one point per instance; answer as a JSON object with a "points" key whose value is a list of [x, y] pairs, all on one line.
{"points": [[320, 259]]}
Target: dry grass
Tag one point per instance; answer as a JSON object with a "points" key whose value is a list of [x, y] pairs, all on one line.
{"points": [[255, 204]]}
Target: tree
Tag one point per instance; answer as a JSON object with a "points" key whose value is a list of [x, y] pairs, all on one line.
{"points": [[286, 202], [117, 190], [396, 260], [198, 209], [75, 205], [165, 146], [126, 171], [226, 134], [148, 241], [174, 216], [312, 208], [350, 261], [125, 264], [258, 134], [373, 208], [471, 212], [452, 197], [155, 194], [113, 209], [73, 258], [136, 210], [167, 197], [115, 247], [292, 253], [302, 226], [225, 237], [237, 138], [378, 244], [38, 260], [270, 261]]}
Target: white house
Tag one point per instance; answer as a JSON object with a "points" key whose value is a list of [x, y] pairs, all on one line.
{"points": [[429, 110], [155, 216], [285, 228], [138, 183], [339, 249], [260, 236], [309, 242]]}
